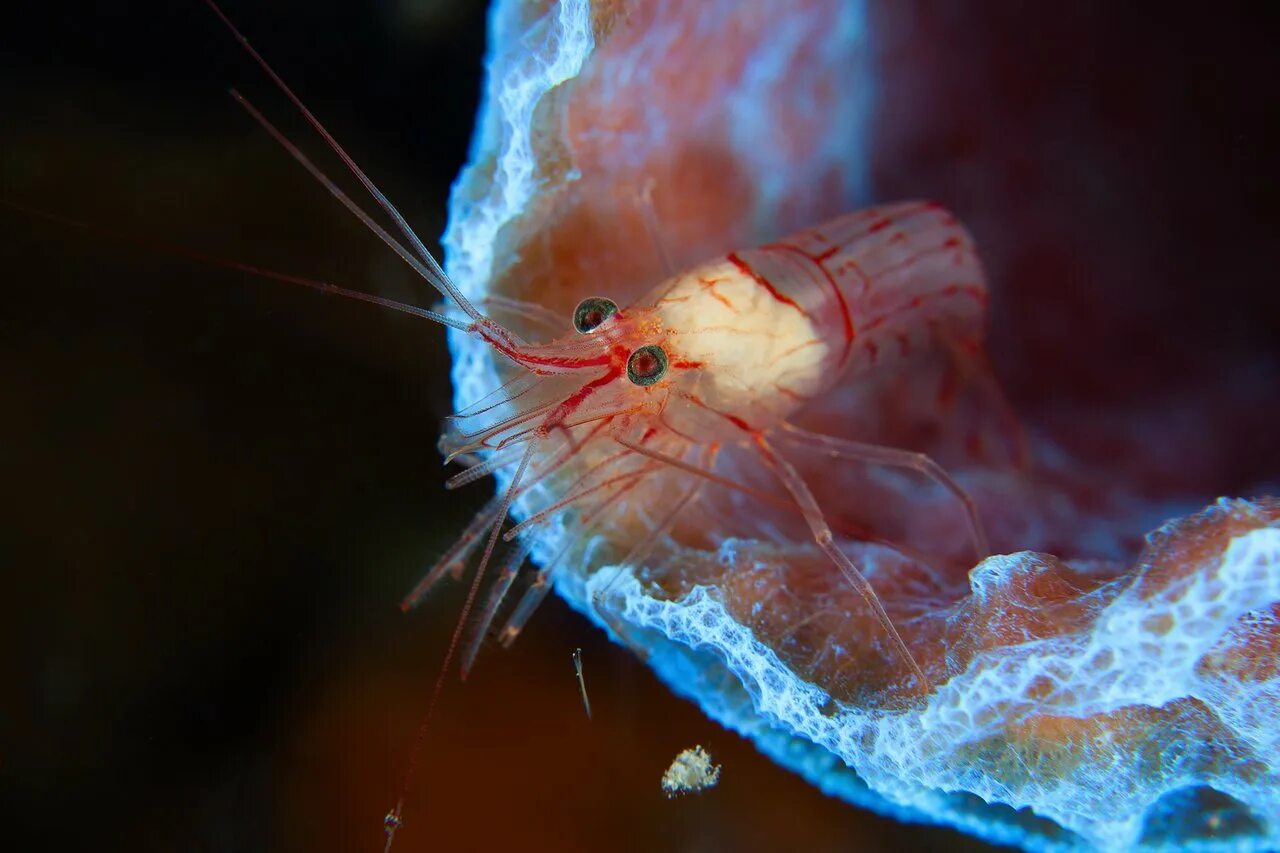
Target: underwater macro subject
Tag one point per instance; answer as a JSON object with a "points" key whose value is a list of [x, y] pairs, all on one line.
{"points": [[895, 382]]}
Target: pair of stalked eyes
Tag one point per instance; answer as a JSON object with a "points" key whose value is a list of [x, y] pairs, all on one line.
{"points": [[646, 365]]}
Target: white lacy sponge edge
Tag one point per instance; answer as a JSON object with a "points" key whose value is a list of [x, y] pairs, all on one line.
{"points": [[874, 759]]}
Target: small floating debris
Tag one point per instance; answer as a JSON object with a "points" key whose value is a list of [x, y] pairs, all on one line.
{"points": [[390, 824], [582, 684], [691, 771]]}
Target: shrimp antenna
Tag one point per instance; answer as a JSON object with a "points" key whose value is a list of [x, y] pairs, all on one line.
{"points": [[347, 202], [229, 263], [435, 274]]}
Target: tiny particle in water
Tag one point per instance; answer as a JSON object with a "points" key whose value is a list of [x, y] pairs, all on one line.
{"points": [[390, 824], [691, 771], [582, 684]]}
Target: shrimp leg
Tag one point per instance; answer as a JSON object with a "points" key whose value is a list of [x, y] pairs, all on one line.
{"points": [[640, 552], [537, 591], [531, 311], [972, 363], [822, 534], [896, 458], [506, 576], [456, 556], [783, 504]]}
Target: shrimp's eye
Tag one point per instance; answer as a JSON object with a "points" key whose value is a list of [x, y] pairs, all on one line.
{"points": [[647, 365], [593, 311]]}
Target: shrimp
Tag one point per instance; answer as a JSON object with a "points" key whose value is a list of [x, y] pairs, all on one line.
{"points": [[715, 358], [720, 356]]}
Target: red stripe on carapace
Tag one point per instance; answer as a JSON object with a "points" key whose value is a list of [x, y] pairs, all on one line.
{"points": [[733, 419], [787, 392], [845, 314], [527, 359], [576, 399], [746, 269], [915, 258], [973, 291], [850, 265], [722, 299], [879, 225]]}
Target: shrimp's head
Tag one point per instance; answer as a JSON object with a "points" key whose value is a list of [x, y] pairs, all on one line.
{"points": [[732, 356], [709, 355], [616, 368]]}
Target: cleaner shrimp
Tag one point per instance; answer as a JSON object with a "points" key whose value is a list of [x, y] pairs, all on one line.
{"points": [[716, 358]]}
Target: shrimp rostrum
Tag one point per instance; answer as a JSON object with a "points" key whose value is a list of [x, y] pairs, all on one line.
{"points": [[712, 359]]}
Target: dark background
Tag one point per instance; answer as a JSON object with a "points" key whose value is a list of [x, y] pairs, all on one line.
{"points": [[217, 488]]}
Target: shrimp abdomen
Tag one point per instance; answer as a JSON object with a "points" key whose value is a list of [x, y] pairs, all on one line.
{"points": [[880, 284]]}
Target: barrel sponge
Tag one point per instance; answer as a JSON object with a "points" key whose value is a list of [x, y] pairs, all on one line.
{"points": [[1090, 689]]}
